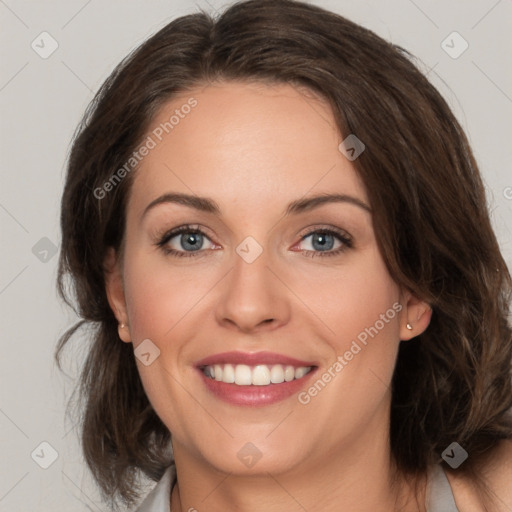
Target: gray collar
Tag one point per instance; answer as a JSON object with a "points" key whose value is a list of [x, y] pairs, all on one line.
{"points": [[439, 493]]}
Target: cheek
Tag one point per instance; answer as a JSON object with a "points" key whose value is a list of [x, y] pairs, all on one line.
{"points": [[360, 308], [160, 295], [357, 299], [160, 300]]}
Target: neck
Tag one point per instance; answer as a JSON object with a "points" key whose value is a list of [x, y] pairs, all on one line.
{"points": [[360, 475]]}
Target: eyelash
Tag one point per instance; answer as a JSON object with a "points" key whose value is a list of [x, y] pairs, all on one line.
{"points": [[340, 235]]}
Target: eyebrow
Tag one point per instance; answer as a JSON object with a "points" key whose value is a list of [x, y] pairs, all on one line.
{"points": [[207, 205]]}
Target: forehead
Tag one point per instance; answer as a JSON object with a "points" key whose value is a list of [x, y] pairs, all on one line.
{"points": [[248, 145]]}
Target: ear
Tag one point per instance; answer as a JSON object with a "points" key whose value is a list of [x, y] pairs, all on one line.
{"points": [[415, 313], [115, 293]]}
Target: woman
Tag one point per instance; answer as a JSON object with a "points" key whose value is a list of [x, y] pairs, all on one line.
{"points": [[280, 233]]}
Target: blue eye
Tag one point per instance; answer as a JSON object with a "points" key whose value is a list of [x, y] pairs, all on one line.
{"points": [[191, 240], [323, 241]]}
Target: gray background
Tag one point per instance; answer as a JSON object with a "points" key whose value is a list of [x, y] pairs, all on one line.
{"points": [[42, 101]]}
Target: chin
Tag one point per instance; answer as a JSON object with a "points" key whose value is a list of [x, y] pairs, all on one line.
{"points": [[256, 457]]}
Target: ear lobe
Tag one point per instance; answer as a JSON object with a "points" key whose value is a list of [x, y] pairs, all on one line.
{"points": [[115, 292], [415, 317]]}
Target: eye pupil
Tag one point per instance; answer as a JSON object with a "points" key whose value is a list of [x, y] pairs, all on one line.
{"points": [[194, 239], [321, 238]]}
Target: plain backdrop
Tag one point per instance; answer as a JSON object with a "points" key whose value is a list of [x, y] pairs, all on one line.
{"points": [[42, 101]]}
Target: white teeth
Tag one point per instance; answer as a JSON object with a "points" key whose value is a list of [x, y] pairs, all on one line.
{"points": [[243, 375], [259, 375], [277, 374], [228, 374], [289, 373], [300, 372]]}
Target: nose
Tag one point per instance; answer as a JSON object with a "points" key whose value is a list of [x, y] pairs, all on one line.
{"points": [[252, 298]]}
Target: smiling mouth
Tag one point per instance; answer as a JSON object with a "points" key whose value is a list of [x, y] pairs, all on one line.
{"points": [[257, 375]]}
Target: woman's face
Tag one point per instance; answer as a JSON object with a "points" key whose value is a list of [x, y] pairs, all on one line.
{"points": [[276, 285]]}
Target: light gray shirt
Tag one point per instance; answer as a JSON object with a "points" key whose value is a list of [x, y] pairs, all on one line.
{"points": [[439, 493]]}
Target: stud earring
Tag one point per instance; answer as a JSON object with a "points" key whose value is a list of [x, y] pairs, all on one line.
{"points": [[123, 325], [409, 326]]}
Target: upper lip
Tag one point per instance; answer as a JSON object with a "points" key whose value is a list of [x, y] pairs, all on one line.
{"points": [[251, 359]]}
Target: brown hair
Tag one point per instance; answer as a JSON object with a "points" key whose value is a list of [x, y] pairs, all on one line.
{"points": [[453, 382]]}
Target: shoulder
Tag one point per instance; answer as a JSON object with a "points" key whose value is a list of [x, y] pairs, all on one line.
{"points": [[158, 500], [496, 472]]}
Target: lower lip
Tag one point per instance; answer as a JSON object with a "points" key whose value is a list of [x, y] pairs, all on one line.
{"points": [[255, 395]]}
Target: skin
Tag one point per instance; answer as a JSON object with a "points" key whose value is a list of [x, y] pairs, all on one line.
{"points": [[253, 149]]}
